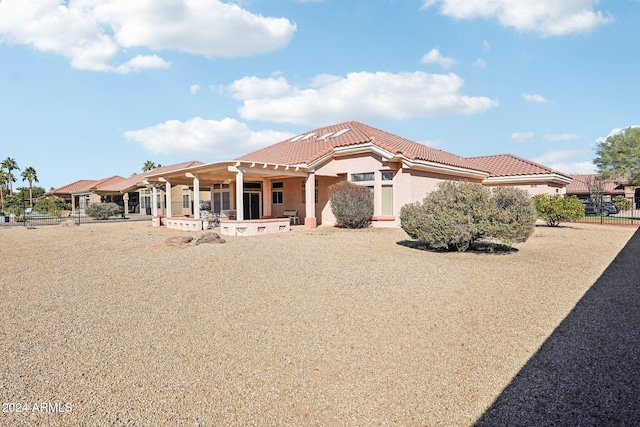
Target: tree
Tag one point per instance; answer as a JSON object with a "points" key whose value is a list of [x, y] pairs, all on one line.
{"points": [[10, 164], [30, 175], [619, 156], [458, 214], [556, 208], [3, 182], [149, 165]]}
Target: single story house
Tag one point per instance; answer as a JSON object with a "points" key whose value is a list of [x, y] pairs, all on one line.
{"points": [[579, 187], [291, 178], [133, 193], [81, 193]]}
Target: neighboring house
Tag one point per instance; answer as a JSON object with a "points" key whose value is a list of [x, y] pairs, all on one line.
{"points": [[295, 174], [83, 192], [612, 188], [133, 193], [579, 187]]}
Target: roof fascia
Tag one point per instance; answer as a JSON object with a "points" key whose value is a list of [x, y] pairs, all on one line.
{"points": [[551, 177]]}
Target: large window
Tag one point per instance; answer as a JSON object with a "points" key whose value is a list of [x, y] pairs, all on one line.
{"points": [[221, 197], [359, 177]]}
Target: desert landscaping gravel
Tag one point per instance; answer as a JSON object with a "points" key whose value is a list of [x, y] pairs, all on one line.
{"points": [[107, 324]]}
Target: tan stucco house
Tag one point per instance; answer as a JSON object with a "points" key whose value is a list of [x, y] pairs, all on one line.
{"points": [[293, 176]]}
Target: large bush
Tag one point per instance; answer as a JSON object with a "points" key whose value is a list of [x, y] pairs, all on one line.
{"points": [[458, 214], [103, 210], [622, 202], [351, 204], [557, 208], [50, 204]]}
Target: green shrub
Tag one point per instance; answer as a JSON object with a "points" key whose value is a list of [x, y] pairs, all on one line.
{"points": [[351, 204], [622, 203], [102, 210], [557, 208], [458, 214], [515, 215], [51, 204]]}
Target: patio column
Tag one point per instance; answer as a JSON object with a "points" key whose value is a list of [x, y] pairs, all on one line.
{"points": [[239, 196], [310, 201], [267, 198], [168, 198], [125, 202], [154, 201], [196, 195]]}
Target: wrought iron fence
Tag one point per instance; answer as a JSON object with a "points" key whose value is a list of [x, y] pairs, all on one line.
{"points": [[625, 211], [27, 217]]}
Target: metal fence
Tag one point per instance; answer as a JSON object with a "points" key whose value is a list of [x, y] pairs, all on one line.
{"points": [[626, 212], [30, 218]]}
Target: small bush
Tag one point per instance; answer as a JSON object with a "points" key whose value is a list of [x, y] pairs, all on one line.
{"points": [[459, 214], [351, 204], [622, 203], [557, 208], [102, 210], [51, 204]]}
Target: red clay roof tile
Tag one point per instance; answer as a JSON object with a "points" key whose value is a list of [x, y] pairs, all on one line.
{"points": [[509, 165], [305, 150]]}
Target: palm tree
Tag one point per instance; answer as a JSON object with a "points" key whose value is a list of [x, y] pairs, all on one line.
{"points": [[149, 165], [30, 175], [10, 164], [3, 182]]}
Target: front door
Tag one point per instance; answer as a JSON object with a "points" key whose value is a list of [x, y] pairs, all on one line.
{"points": [[252, 204]]}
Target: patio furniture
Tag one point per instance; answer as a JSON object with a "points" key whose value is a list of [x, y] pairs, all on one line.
{"points": [[228, 214], [292, 215]]}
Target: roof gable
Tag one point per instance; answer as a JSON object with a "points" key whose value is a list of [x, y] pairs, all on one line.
{"points": [[311, 146]]}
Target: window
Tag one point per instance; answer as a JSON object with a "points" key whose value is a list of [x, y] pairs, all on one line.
{"points": [[387, 176], [359, 177], [276, 197], [278, 184], [221, 200], [185, 201], [387, 200]]}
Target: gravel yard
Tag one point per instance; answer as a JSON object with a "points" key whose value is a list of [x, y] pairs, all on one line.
{"points": [[108, 325]]}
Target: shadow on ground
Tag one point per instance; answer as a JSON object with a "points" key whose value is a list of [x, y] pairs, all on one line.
{"points": [[477, 247], [587, 373]]}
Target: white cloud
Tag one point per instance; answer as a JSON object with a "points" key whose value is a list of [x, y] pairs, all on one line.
{"points": [[558, 155], [93, 33], [194, 89], [521, 136], [535, 99], [561, 137], [574, 168], [547, 17], [615, 131], [435, 57], [223, 140], [358, 96], [480, 63]]}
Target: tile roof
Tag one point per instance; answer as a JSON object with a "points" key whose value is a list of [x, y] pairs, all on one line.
{"points": [[579, 185], [502, 165], [305, 150], [84, 185], [135, 180]]}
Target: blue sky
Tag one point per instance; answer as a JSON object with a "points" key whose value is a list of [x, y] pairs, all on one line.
{"points": [[94, 88]]}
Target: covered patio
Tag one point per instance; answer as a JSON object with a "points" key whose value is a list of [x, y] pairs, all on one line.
{"points": [[253, 190]]}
